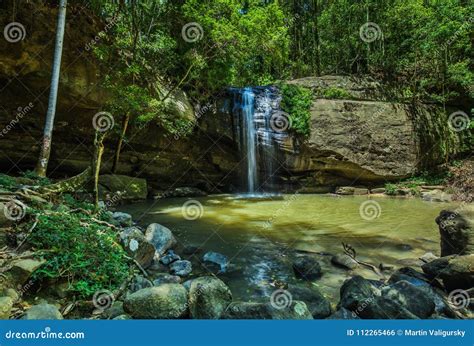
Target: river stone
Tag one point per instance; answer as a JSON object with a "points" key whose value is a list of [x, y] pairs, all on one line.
{"points": [[165, 278], [23, 268], [307, 268], [343, 314], [377, 190], [456, 272], [169, 258], [297, 310], [317, 304], [428, 257], [167, 301], [43, 312], [436, 196], [137, 246], [217, 259], [344, 261], [122, 219], [181, 268], [208, 298], [114, 311], [356, 293], [6, 305], [130, 188], [456, 229], [410, 275], [411, 298], [139, 283], [161, 237], [384, 308]]}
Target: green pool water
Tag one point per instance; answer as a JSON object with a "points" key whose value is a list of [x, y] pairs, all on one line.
{"points": [[262, 235]]}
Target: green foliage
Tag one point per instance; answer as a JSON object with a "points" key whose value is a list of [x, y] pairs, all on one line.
{"points": [[297, 101], [336, 93], [77, 248], [7, 182], [36, 178], [391, 189]]}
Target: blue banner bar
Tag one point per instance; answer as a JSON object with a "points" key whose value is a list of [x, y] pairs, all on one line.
{"points": [[222, 333]]}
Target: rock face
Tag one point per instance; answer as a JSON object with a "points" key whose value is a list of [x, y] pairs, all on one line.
{"points": [[208, 298], [457, 231], [167, 301]]}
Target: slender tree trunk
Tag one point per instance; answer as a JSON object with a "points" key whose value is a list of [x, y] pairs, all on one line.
{"points": [[96, 163], [43, 160], [118, 149]]}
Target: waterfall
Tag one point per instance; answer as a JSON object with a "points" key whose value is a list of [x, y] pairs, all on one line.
{"points": [[254, 111]]}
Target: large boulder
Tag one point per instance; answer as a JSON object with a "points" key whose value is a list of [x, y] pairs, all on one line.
{"points": [[23, 268], [356, 293], [161, 237], [296, 310], [457, 272], [137, 246], [129, 188], [208, 298], [411, 298], [167, 301], [307, 268], [457, 231], [122, 219], [43, 312]]}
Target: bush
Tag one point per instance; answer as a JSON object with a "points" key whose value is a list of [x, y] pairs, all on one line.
{"points": [[296, 102], [77, 248], [336, 93]]}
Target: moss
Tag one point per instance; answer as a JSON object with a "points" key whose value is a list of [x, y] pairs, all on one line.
{"points": [[336, 93], [296, 102], [7, 182]]}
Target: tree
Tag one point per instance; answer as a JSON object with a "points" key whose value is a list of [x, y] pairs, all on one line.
{"points": [[45, 153]]}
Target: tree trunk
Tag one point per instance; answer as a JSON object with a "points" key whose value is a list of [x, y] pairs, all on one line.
{"points": [[43, 160], [68, 185], [96, 163], [118, 149]]}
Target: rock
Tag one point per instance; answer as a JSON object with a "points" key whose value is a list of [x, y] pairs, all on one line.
{"points": [[43, 312], [4, 220], [10, 292], [216, 258], [317, 304], [428, 257], [343, 314], [356, 293], [307, 268], [161, 237], [122, 219], [114, 311], [185, 192], [344, 261], [456, 272], [411, 298], [410, 275], [377, 190], [6, 305], [169, 258], [139, 283], [384, 308], [191, 250], [122, 317], [166, 279], [23, 268], [295, 310], [208, 298], [129, 188], [137, 246], [181, 268], [350, 190], [436, 196], [456, 229], [167, 301]]}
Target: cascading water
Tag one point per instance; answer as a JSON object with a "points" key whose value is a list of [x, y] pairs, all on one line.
{"points": [[256, 112]]}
